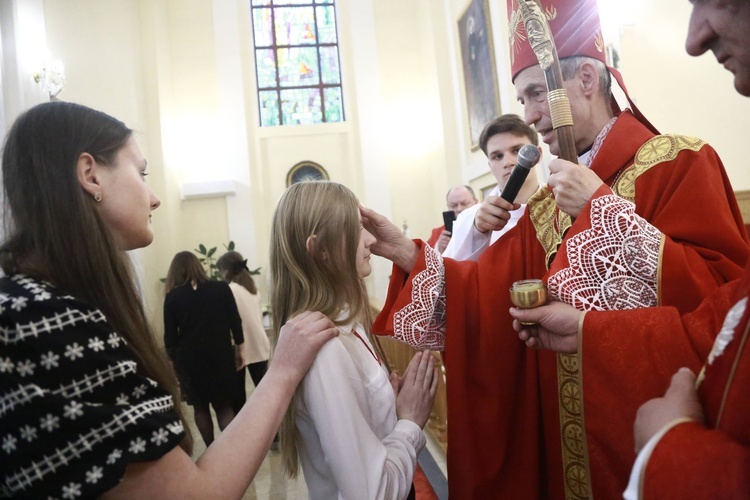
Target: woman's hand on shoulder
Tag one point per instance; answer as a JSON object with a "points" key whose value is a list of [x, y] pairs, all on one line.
{"points": [[417, 388], [300, 339]]}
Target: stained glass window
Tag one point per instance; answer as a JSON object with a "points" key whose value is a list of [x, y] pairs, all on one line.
{"points": [[297, 62]]}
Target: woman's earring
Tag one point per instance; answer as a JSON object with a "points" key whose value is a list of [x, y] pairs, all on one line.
{"points": [[98, 196]]}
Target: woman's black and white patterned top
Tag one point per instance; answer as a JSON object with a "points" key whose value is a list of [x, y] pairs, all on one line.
{"points": [[73, 410]]}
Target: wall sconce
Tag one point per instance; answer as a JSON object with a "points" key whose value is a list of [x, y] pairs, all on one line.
{"points": [[51, 77]]}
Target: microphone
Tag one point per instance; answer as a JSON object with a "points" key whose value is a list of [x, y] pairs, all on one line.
{"points": [[528, 156]]}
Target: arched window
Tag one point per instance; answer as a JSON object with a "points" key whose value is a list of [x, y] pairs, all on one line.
{"points": [[297, 62]]}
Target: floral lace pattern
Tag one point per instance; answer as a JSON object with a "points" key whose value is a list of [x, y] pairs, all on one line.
{"points": [[614, 264], [422, 322]]}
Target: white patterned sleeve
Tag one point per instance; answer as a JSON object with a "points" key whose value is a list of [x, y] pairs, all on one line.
{"points": [[613, 264], [422, 322]]}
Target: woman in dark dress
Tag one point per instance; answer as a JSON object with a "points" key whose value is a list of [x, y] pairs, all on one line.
{"points": [[200, 320]]}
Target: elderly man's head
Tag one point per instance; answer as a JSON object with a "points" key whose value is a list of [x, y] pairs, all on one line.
{"points": [[459, 198], [577, 33], [723, 27]]}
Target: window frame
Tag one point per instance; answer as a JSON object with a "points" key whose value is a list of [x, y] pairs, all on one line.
{"points": [[272, 5]]}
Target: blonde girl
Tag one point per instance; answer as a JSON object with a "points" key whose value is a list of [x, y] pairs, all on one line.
{"points": [[355, 431]]}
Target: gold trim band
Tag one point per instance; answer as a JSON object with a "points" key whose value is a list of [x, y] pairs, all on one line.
{"points": [[559, 108], [576, 472]]}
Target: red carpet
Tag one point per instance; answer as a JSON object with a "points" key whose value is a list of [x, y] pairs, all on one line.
{"points": [[422, 486]]}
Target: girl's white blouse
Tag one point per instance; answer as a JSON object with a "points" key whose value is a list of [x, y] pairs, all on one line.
{"points": [[352, 445]]}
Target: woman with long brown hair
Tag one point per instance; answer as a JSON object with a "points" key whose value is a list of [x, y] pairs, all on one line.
{"points": [[355, 431], [200, 321], [89, 401]]}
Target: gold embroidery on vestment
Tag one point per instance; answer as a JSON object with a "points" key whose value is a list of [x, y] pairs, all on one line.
{"points": [[551, 228], [656, 150], [576, 472], [550, 224], [659, 269]]}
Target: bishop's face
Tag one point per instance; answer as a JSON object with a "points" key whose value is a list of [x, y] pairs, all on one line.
{"points": [[531, 92]]}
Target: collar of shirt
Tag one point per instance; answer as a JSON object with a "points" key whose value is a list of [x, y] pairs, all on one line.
{"points": [[356, 329], [587, 158]]}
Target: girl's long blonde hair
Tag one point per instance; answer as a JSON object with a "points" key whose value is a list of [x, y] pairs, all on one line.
{"points": [[323, 279]]}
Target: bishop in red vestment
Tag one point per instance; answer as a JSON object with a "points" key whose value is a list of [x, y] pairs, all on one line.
{"points": [[532, 424]]}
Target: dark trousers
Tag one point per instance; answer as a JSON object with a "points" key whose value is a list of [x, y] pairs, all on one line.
{"points": [[256, 371]]}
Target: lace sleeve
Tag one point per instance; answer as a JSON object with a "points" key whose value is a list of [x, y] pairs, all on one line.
{"points": [[422, 322], [613, 264]]}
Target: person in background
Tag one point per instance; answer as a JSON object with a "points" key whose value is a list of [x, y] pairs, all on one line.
{"points": [[481, 225], [255, 350], [458, 199], [200, 321], [91, 404], [356, 431]]}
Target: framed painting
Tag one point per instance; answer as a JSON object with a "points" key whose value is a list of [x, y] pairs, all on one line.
{"points": [[478, 63]]}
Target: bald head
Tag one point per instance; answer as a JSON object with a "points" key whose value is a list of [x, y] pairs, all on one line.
{"points": [[459, 198]]}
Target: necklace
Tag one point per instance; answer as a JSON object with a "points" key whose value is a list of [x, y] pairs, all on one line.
{"points": [[373, 353]]}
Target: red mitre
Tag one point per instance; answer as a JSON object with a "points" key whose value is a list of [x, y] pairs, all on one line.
{"points": [[575, 28], [576, 31]]}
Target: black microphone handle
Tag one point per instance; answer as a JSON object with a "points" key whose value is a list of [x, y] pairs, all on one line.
{"points": [[515, 181]]}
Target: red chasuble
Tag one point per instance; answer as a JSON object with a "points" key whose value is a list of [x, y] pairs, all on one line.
{"points": [[711, 461], [521, 424], [435, 235]]}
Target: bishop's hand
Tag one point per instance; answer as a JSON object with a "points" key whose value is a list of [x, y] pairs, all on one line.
{"points": [[572, 185], [391, 244], [556, 326]]}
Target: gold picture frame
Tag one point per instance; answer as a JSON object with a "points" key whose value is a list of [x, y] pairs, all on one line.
{"points": [[479, 70], [306, 171]]}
